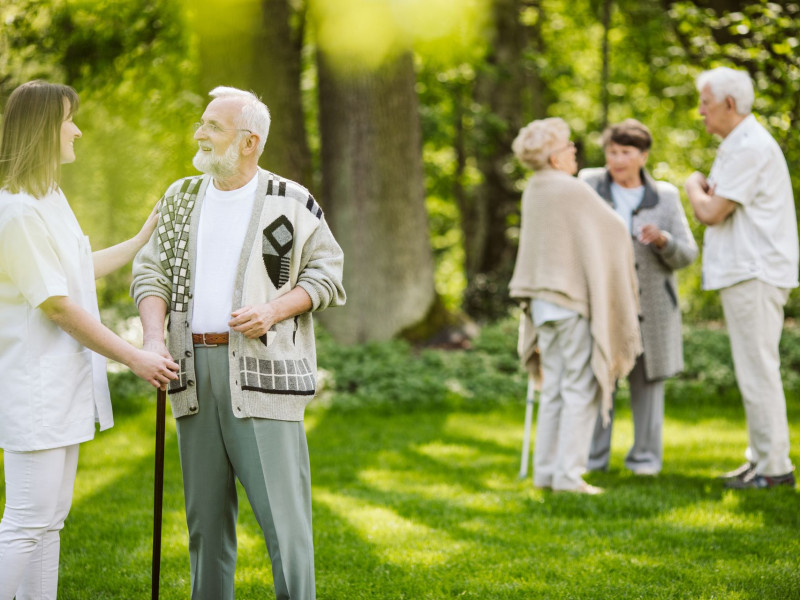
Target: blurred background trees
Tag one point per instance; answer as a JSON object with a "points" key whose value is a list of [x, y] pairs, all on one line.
{"points": [[398, 115]]}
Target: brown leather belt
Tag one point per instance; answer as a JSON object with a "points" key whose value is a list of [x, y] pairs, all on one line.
{"points": [[210, 339]]}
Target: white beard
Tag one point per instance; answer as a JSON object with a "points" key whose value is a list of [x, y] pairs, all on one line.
{"points": [[219, 167]]}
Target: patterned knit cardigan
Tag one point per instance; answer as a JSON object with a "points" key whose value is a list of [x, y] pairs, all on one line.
{"points": [[287, 244]]}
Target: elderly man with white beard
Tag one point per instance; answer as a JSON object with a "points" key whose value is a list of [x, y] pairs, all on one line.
{"points": [[239, 260]]}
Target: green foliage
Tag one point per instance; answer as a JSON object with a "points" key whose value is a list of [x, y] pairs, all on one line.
{"points": [[135, 66], [394, 376], [131, 64]]}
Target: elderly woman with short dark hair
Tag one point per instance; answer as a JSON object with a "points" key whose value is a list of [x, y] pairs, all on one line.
{"points": [[662, 244], [578, 284]]}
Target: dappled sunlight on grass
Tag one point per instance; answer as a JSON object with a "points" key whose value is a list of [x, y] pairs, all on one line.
{"points": [[394, 538], [485, 428], [713, 515], [114, 454], [423, 486]]}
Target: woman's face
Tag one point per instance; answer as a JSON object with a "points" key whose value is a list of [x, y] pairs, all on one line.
{"points": [[624, 163], [564, 158], [69, 133]]}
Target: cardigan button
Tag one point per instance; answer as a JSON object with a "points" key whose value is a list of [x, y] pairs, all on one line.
{"points": [[192, 409], [190, 383], [188, 354]]}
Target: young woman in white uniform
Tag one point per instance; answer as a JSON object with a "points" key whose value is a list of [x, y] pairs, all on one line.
{"points": [[53, 386]]}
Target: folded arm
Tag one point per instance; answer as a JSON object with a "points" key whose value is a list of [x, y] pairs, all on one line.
{"points": [[709, 208]]}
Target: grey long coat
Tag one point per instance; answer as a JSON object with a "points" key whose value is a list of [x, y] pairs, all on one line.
{"points": [[655, 269]]}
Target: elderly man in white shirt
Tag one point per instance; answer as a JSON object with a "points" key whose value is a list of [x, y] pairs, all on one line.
{"points": [[750, 254]]}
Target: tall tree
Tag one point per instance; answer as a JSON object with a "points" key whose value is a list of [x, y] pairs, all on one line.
{"points": [[374, 197], [502, 83]]}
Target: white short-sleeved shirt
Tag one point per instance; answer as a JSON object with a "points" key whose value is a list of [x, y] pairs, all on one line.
{"points": [[759, 239], [52, 388]]}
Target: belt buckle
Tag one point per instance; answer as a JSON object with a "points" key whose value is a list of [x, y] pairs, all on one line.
{"points": [[204, 345]]}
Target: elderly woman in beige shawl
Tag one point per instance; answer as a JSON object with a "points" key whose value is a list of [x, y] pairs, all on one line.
{"points": [[575, 273]]}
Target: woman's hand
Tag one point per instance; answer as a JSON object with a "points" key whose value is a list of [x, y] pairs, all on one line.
{"points": [[651, 234], [154, 368]]}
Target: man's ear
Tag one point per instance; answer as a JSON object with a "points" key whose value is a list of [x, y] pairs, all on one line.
{"points": [[730, 103], [250, 144]]}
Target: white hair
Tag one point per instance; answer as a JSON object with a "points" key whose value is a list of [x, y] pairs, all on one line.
{"points": [[725, 82], [254, 116], [538, 140]]}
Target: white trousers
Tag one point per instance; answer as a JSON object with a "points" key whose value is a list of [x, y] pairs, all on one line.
{"points": [[568, 404], [38, 498], [754, 316]]}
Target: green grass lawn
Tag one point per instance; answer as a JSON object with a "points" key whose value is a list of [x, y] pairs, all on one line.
{"points": [[428, 505]]}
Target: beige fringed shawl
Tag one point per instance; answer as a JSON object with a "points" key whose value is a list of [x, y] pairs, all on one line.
{"points": [[576, 252]]}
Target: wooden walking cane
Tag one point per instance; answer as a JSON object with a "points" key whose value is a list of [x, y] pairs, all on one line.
{"points": [[161, 403]]}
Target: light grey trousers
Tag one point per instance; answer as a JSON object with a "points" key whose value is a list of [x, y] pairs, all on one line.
{"points": [[568, 404], [270, 458], [647, 406]]}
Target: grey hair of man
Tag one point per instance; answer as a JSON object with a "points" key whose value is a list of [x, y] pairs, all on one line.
{"points": [[254, 116], [725, 82]]}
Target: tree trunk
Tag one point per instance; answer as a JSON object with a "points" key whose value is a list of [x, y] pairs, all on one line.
{"points": [[251, 44], [276, 78], [500, 88], [374, 198]]}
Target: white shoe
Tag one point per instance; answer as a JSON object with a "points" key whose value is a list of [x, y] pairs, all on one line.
{"points": [[646, 471], [586, 488]]}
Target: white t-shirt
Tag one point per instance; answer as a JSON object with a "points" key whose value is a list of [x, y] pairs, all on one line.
{"points": [[626, 200], [52, 388], [224, 218], [759, 239]]}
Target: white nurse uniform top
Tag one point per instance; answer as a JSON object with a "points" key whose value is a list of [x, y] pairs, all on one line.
{"points": [[52, 389]]}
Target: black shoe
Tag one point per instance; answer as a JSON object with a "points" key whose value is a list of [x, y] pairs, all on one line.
{"points": [[756, 481], [748, 469]]}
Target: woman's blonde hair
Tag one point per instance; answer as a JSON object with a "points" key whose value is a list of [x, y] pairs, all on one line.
{"points": [[538, 140], [30, 149]]}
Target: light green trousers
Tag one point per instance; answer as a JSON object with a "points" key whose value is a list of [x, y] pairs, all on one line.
{"points": [[270, 458]]}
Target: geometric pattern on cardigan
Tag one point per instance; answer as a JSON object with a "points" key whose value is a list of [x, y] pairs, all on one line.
{"points": [[293, 377], [277, 187], [276, 245], [179, 384], [174, 230], [173, 234]]}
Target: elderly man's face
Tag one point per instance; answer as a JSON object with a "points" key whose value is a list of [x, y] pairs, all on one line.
{"points": [[716, 114], [218, 139]]}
